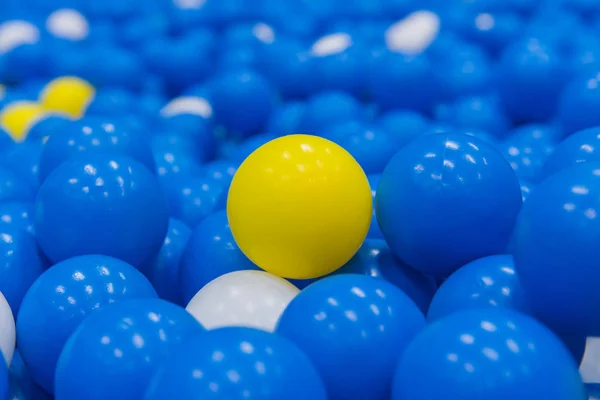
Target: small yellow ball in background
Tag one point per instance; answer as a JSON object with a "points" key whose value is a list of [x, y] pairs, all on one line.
{"points": [[16, 118], [299, 206], [67, 95]]}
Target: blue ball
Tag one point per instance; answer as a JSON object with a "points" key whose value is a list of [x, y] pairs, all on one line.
{"points": [[211, 252], [221, 172], [6, 140], [18, 215], [163, 270], [24, 160], [325, 109], [531, 76], [111, 102], [580, 147], [105, 65], [22, 386], [450, 192], [374, 229], [578, 102], [370, 146], [174, 155], [114, 352], [403, 126], [374, 258], [65, 294], [370, 316], [527, 148], [526, 188], [101, 204], [254, 365], [555, 238], [487, 282], [94, 135], [286, 118], [242, 101], [197, 129], [473, 351], [475, 112], [247, 147], [20, 264], [14, 188]]}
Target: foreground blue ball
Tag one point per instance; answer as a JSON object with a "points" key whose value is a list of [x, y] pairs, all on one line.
{"points": [[17, 214], [450, 192], [493, 354], [555, 239], [114, 352], [251, 364], [64, 295], [370, 316], [580, 147], [101, 204]]}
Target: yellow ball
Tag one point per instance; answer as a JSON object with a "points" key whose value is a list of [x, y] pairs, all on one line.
{"points": [[16, 118], [299, 206], [68, 95]]}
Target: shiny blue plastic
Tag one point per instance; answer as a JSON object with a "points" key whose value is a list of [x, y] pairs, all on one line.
{"points": [[581, 147], [194, 127], [448, 192], [22, 386], [17, 214], [24, 160], [526, 188], [493, 354], [98, 135], [353, 328], [163, 270], [579, 101], [191, 199], [13, 187], [101, 204], [210, 252], [328, 108], [64, 295], [20, 264], [286, 119], [249, 364], [113, 353], [221, 171], [402, 126], [555, 249], [374, 230], [174, 154]]}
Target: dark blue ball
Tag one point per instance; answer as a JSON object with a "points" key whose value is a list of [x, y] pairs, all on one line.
{"points": [[580, 147]]}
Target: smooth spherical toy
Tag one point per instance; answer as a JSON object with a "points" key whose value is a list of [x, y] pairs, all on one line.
{"points": [[526, 188], [18, 215], [375, 259], [253, 299], [191, 199], [251, 365], [415, 215], [13, 187], [211, 252], [495, 354], [17, 117], [68, 94], [286, 118], [98, 135], [46, 126], [6, 141], [475, 112], [555, 236], [242, 150], [7, 330], [22, 387], [163, 270], [221, 171], [328, 108], [579, 99], [402, 126], [357, 312], [299, 206], [487, 282], [65, 294], [20, 264], [174, 154], [580, 147], [4, 381], [374, 230], [24, 160], [114, 351], [101, 204]]}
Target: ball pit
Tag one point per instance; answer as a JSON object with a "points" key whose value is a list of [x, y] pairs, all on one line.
{"points": [[299, 199]]}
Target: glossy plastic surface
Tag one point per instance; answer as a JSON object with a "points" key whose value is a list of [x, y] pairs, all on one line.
{"points": [[374, 230], [253, 299], [24, 160], [402, 126], [368, 315], [579, 99], [114, 352], [17, 117], [7, 330], [101, 204], [191, 199], [495, 354], [580, 147], [450, 192], [237, 363], [326, 109], [16, 214], [299, 206], [67, 94], [14, 188]]}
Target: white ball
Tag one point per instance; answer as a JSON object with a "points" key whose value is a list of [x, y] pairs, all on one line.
{"points": [[68, 24], [254, 299], [413, 34], [188, 105], [15, 33], [7, 330]]}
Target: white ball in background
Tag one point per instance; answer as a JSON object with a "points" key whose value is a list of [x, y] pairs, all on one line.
{"points": [[188, 105], [68, 24], [414, 33], [254, 299], [7, 330], [15, 33]]}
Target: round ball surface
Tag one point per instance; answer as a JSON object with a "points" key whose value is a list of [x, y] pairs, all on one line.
{"points": [[451, 192], [64, 295], [18, 215], [101, 204], [17, 117], [299, 206], [253, 299], [114, 352], [13, 187], [69, 95], [494, 354], [7, 330], [353, 328], [254, 364], [580, 147]]}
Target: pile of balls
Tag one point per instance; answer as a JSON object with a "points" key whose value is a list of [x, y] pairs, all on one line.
{"points": [[299, 199]]}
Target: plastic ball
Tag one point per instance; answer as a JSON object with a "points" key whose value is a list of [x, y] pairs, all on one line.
{"points": [[97, 135], [68, 94], [4, 381], [47, 126], [414, 214], [175, 154], [22, 387], [402, 126], [286, 119], [65, 294], [112, 101], [374, 230], [526, 188], [18, 215], [191, 199], [475, 112], [163, 270], [255, 364], [24, 160], [473, 352], [326, 109], [7, 330], [18, 117], [6, 141], [68, 24], [253, 299], [555, 236], [580, 147], [578, 101], [355, 312], [197, 129], [101, 204], [20, 264], [299, 179], [114, 352]]}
